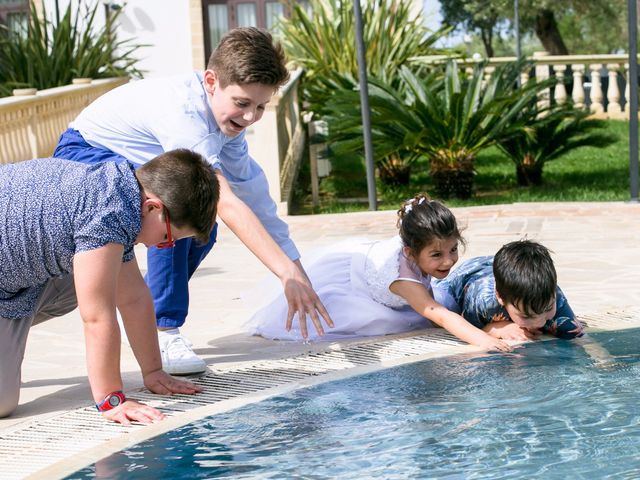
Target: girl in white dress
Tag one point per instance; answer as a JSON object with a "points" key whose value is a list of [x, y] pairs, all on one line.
{"points": [[382, 287]]}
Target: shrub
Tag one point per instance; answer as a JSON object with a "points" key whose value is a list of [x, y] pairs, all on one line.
{"points": [[51, 54]]}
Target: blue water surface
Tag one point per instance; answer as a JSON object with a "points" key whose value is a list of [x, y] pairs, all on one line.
{"points": [[548, 410]]}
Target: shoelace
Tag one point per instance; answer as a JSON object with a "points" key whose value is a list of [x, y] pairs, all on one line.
{"points": [[178, 346]]}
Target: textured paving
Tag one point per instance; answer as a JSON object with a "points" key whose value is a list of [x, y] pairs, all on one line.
{"points": [[595, 248]]}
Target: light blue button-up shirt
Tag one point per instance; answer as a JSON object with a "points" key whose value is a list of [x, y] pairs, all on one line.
{"points": [[145, 118]]}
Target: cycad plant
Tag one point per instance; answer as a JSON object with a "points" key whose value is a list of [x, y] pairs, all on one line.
{"points": [[448, 119], [548, 137], [51, 54]]}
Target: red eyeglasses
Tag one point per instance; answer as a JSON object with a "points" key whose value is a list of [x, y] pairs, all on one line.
{"points": [[169, 242]]}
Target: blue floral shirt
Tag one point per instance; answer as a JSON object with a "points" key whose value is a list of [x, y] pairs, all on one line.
{"points": [[470, 290], [51, 209]]}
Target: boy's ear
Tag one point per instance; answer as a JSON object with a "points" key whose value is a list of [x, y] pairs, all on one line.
{"points": [[499, 298], [210, 81], [151, 204]]}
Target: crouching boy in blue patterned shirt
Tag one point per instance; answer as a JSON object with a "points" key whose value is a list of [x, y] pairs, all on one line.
{"points": [[513, 295], [67, 232]]}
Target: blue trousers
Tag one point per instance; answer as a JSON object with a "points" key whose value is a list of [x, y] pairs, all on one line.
{"points": [[168, 270]]}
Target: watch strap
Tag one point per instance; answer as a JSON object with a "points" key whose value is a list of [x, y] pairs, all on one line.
{"points": [[112, 400]]}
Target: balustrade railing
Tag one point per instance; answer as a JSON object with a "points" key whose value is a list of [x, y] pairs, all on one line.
{"points": [[31, 125], [598, 83]]}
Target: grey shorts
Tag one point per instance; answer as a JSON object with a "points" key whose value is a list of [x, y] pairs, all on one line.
{"points": [[57, 299]]}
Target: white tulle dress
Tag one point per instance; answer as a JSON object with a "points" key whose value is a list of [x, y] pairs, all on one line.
{"points": [[352, 279]]}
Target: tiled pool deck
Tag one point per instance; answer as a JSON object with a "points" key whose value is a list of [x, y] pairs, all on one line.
{"points": [[595, 245]]}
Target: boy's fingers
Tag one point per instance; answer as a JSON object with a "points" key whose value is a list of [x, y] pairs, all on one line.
{"points": [[302, 318], [324, 313], [290, 315], [316, 322], [183, 386]]}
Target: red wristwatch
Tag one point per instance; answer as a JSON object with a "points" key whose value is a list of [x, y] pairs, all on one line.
{"points": [[111, 401]]}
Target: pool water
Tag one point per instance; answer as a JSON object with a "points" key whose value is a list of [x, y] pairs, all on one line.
{"points": [[548, 410]]}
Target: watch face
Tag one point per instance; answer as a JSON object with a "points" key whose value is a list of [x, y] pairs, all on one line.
{"points": [[114, 400]]}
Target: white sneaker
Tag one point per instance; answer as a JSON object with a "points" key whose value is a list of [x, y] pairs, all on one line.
{"points": [[177, 355]]}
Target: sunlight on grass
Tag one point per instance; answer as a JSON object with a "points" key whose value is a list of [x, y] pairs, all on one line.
{"points": [[584, 175]]}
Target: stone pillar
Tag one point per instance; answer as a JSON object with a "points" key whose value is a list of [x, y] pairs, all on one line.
{"points": [[578, 88], [560, 93], [596, 89], [613, 91], [542, 73]]}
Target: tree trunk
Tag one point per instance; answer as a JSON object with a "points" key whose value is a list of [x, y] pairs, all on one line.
{"points": [[487, 40], [528, 175], [548, 33]]}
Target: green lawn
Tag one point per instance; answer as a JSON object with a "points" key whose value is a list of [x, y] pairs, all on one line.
{"points": [[586, 174]]}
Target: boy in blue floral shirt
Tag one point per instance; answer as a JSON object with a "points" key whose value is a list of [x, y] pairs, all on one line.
{"points": [[512, 296], [67, 232]]}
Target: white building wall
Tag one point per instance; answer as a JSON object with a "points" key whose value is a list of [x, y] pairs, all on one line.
{"points": [[164, 25]]}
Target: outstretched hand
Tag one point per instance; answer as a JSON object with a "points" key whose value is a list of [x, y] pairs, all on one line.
{"points": [[162, 383], [303, 300], [133, 411]]}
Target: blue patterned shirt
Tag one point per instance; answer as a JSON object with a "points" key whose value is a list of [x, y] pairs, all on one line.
{"points": [[470, 290], [51, 209]]}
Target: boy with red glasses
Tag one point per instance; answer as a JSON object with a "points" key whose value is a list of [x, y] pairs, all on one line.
{"points": [[67, 232]]}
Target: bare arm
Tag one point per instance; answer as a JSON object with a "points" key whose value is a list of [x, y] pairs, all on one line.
{"points": [[138, 316], [422, 302], [95, 275], [300, 294]]}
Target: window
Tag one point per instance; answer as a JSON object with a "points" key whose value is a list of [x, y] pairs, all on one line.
{"points": [[14, 14], [220, 16], [273, 12], [246, 15]]}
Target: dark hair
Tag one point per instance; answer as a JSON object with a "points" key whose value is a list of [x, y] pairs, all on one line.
{"points": [[422, 220], [188, 187], [249, 55], [525, 276]]}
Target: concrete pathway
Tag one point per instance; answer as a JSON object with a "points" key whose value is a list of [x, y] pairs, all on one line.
{"points": [[595, 245]]}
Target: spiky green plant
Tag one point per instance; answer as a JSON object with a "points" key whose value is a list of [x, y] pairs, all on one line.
{"points": [[51, 54], [447, 119], [321, 40], [548, 137]]}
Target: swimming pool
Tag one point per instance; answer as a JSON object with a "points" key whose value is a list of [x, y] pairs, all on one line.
{"points": [[548, 410]]}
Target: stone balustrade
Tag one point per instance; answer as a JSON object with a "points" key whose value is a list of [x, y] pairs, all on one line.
{"points": [[31, 125], [596, 82]]}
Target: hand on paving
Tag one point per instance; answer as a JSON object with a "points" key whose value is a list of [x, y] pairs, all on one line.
{"points": [[510, 331], [132, 410], [495, 344], [303, 300], [162, 383]]}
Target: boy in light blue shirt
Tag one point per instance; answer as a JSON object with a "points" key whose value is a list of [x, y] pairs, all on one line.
{"points": [[209, 114]]}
